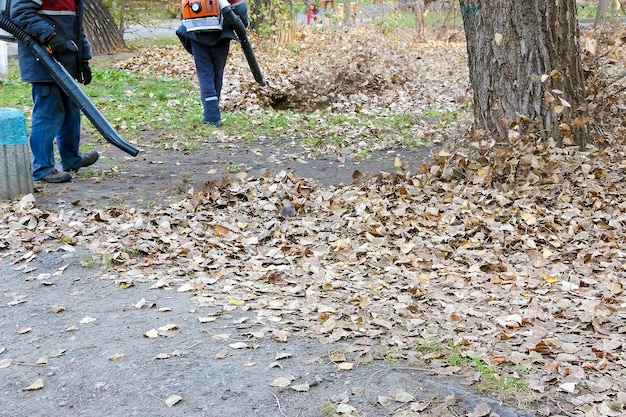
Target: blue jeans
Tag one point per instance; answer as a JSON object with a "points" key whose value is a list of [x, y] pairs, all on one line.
{"points": [[54, 116], [210, 63]]}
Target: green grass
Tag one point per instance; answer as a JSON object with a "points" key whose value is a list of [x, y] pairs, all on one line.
{"points": [[587, 12], [329, 409], [129, 100], [493, 380], [390, 22], [15, 93], [157, 41], [166, 112], [504, 387]]}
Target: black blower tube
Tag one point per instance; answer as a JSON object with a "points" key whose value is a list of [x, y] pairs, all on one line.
{"points": [[234, 20], [68, 85]]}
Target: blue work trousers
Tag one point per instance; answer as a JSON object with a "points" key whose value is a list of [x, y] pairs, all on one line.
{"points": [[210, 63], [54, 116]]}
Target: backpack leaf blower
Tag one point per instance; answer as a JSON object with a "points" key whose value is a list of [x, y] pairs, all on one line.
{"points": [[67, 84], [208, 15]]}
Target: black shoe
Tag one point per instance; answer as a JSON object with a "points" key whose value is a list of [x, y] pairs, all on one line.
{"points": [[214, 124], [56, 177], [89, 158]]}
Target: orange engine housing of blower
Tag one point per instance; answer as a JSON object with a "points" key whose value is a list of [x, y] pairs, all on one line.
{"points": [[201, 15]]}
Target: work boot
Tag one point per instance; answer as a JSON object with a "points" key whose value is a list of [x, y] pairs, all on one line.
{"points": [[89, 158], [214, 124], [211, 112], [56, 177]]}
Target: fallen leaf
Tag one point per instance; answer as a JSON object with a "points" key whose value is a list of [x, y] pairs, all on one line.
{"points": [[57, 352], [403, 397], [345, 409], [482, 409], [169, 330], [221, 354], [282, 381], [345, 366], [116, 356], [384, 400], [153, 333], [301, 387], [612, 409], [35, 386], [23, 330], [173, 400], [568, 387], [282, 355], [186, 287]]}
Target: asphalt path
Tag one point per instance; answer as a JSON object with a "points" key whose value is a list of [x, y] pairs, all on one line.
{"points": [[132, 32]]}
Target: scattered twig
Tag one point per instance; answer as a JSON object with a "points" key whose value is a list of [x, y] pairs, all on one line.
{"points": [[194, 345], [372, 377], [160, 399], [215, 336], [412, 368], [36, 365], [278, 403]]}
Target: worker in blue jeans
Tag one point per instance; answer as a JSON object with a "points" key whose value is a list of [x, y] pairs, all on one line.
{"points": [[58, 25], [210, 52]]}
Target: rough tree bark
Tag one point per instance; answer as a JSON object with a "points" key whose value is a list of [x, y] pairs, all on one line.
{"points": [[525, 68], [103, 34]]}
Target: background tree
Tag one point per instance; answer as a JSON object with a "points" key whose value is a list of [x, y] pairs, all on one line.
{"points": [[525, 66], [607, 7], [105, 36]]}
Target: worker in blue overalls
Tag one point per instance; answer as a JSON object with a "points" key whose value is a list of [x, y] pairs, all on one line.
{"points": [[58, 25], [210, 51]]}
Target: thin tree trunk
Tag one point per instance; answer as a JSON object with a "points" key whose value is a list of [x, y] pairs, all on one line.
{"points": [[447, 19], [607, 8], [346, 13], [104, 35], [525, 64]]}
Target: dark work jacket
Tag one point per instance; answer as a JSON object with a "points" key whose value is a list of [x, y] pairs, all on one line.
{"points": [[40, 19], [213, 37]]}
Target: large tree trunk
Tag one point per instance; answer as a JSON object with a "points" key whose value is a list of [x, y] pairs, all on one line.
{"points": [[525, 65], [104, 35]]}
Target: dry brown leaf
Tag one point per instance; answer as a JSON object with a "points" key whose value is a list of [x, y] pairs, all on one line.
{"points": [[35, 386]]}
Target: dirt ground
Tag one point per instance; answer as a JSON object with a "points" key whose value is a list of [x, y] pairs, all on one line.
{"points": [[158, 176], [83, 337], [79, 332]]}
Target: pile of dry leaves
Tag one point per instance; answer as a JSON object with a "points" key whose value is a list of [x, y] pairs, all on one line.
{"points": [[517, 257], [348, 70]]}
